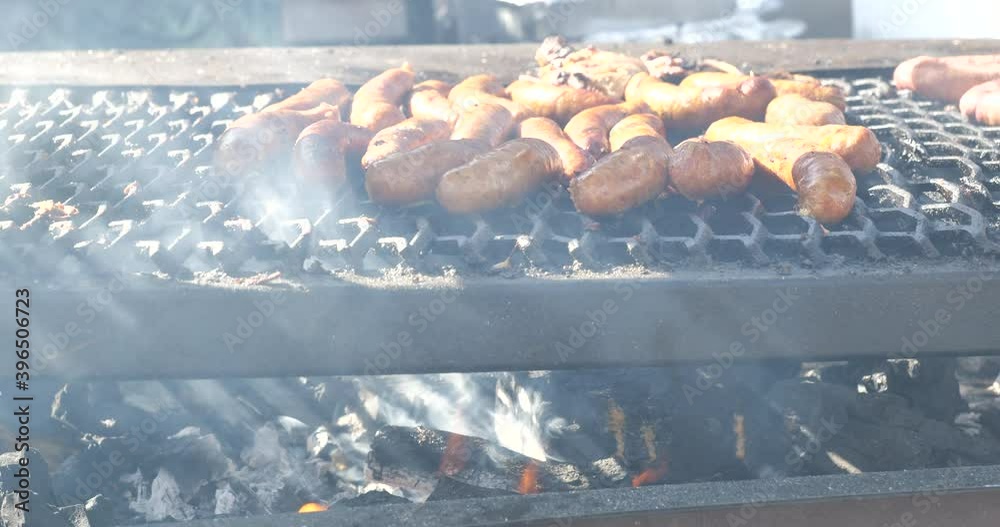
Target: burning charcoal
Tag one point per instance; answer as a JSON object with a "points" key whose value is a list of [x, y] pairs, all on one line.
{"points": [[415, 458], [195, 459], [929, 383], [375, 497], [162, 499], [610, 471], [95, 513], [38, 516], [38, 471]]}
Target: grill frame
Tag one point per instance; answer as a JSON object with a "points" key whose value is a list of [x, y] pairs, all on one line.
{"points": [[342, 323]]}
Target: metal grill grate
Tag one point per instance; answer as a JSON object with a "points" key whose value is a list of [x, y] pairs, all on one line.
{"points": [[134, 165]]}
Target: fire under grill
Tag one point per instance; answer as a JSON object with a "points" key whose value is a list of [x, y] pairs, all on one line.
{"points": [[168, 271]]}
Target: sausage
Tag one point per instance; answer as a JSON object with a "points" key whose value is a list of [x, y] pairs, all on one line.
{"points": [[605, 71], [559, 103], [489, 123], [575, 160], [590, 128], [499, 178], [404, 137], [796, 109], [809, 87], [476, 84], [628, 177], [824, 182], [636, 125], [695, 108], [429, 100], [321, 150], [258, 140], [329, 91], [376, 103], [410, 177], [856, 144], [700, 169], [980, 103], [946, 78]]}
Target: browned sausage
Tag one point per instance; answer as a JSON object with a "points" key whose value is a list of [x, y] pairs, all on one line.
{"points": [[628, 177], [590, 128], [796, 109], [784, 84], [574, 159], [320, 152], [559, 103], [429, 100], [476, 84], [258, 140], [980, 103], [499, 178], [376, 103], [702, 169], [695, 108], [856, 144], [329, 91], [825, 185], [946, 78], [606, 71], [490, 123], [404, 137], [636, 125], [410, 177]]}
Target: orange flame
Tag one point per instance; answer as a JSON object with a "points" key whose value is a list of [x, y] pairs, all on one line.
{"points": [[651, 475], [529, 479], [312, 507], [454, 457]]}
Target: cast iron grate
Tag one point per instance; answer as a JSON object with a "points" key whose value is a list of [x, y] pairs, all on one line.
{"points": [[134, 166]]}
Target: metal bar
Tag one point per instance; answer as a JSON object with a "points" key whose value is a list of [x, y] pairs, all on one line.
{"points": [[133, 329], [947, 497], [354, 65]]}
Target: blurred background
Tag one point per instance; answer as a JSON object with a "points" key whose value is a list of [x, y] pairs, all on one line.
{"points": [[83, 24]]}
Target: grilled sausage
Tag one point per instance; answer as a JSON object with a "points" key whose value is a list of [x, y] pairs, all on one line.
{"points": [[489, 123], [429, 100], [404, 137], [696, 108], [410, 177], [575, 160], [981, 103], [946, 78], [476, 84], [856, 144], [824, 182], [376, 103], [590, 128], [809, 87], [636, 125], [321, 150], [328, 91], [701, 169], [559, 103], [796, 109], [628, 177], [499, 178], [255, 141]]}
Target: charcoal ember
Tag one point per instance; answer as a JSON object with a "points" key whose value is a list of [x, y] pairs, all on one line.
{"points": [[793, 426], [195, 459], [95, 408], [952, 445], [38, 470], [866, 447], [161, 499], [96, 512], [98, 467], [374, 497], [609, 472], [930, 384], [979, 368], [38, 515]]}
